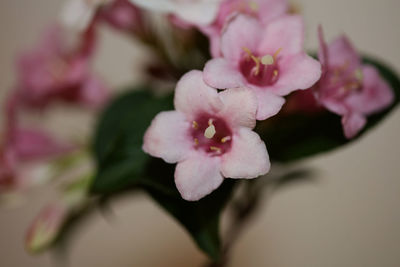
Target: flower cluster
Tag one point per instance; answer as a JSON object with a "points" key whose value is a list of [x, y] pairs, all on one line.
{"points": [[258, 59]]}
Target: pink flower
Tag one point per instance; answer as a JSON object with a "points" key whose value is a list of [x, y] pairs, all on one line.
{"points": [[53, 71], [122, 15], [196, 12], [46, 227], [209, 136], [349, 88], [270, 60], [264, 10], [23, 146]]}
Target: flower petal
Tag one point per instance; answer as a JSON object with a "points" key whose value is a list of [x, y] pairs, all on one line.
{"points": [[297, 72], [198, 176], [271, 9], [341, 52], [242, 31], [166, 137], [376, 94], [192, 95], [219, 73], [352, 124], [240, 107], [269, 104], [285, 34], [248, 157]]}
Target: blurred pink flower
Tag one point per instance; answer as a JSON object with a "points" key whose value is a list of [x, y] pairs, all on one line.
{"points": [[195, 12], [264, 10], [209, 136], [23, 146], [349, 88], [46, 226], [53, 71], [270, 60], [122, 15]]}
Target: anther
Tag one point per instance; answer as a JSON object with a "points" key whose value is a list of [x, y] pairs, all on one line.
{"points": [[195, 125], [225, 139], [276, 72], [215, 149], [196, 141], [257, 61]]}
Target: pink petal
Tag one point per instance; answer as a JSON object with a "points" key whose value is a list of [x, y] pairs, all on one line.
{"points": [[240, 107], [248, 157], [286, 33], [323, 49], [271, 9], [352, 124], [242, 31], [166, 137], [219, 73], [93, 93], [198, 176], [33, 144], [297, 72], [376, 94], [269, 104], [193, 96], [341, 52]]}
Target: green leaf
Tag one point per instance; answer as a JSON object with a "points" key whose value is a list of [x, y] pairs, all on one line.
{"points": [[119, 138], [200, 218], [294, 137]]}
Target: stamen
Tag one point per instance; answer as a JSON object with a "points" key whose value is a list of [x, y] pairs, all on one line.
{"points": [[359, 75], [225, 139], [215, 149], [277, 53], [248, 52], [276, 72], [257, 61], [267, 60], [195, 125], [196, 141], [210, 131]]}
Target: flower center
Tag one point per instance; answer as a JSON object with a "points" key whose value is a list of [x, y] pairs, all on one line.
{"points": [[261, 71], [211, 134], [345, 81]]}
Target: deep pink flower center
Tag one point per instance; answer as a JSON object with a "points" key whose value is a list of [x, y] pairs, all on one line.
{"points": [[211, 134], [259, 70]]}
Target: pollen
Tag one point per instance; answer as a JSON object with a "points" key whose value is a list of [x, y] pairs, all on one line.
{"points": [[225, 139], [210, 131], [196, 141], [276, 72], [267, 60], [195, 125]]}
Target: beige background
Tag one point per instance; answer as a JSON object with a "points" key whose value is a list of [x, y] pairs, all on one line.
{"points": [[349, 218]]}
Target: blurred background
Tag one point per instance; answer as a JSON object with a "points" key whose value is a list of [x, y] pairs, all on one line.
{"points": [[349, 217]]}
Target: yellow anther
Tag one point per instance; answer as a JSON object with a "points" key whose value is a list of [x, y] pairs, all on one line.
{"points": [[215, 149], [210, 131], [225, 139], [195, 125], [277, 53], [359, 75], [276, 72], [267, 60], [196, 141], [254, 6]]}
